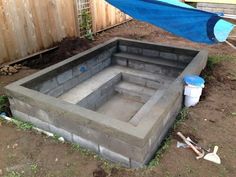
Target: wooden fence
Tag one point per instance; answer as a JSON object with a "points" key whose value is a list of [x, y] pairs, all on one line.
{"points": [[26, 26], [105, 15]]}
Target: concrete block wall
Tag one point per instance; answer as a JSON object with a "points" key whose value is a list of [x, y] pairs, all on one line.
{"points": [[118, 141], [60, 83], [101, 95], [181, 56]]}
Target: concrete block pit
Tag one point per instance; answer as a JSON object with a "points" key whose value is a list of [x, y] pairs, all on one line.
{"points": [[118, 99]]}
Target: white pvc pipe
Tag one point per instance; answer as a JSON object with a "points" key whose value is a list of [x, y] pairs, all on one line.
{"points": [[34, 128]]}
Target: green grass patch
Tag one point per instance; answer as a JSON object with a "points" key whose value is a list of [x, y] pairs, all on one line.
{"points": [[215, 59], [182, 116], [13, 174], [22, 125], [3, 102]]}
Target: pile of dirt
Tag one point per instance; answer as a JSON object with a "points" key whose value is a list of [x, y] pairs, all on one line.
{"points": [[66, 49]]}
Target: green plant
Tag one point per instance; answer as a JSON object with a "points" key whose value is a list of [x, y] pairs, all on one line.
{"points": [[164, 146], [215, 59], [86, 24], [34, 168], [3, 102], [182, 116], [13, 174], [22, 125]]}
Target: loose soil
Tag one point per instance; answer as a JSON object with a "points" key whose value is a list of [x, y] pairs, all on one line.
{"points": [[211, 122]]}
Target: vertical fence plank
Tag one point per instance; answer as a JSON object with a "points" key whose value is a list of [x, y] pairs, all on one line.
{"points": [[105, 16]]}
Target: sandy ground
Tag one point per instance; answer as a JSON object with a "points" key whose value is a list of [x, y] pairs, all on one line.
{"points": [[211, 122]]}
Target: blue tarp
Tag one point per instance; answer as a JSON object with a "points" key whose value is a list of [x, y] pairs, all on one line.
{"points": [[178, 18]]}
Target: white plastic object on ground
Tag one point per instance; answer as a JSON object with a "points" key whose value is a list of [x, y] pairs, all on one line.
{"points": [[34, 128], [192, 95]]}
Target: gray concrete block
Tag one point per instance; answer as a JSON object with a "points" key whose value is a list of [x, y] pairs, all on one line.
{"points": [[185, 58], [48, 85], [114, 157], [123, 48], [151, 53], [65, 76], [106, 63], [153, 68], [84, 76], [103, 56], [170, 56], [92, 62], [38, 123], [20, 115], [85, 143], [153, 84], [113, 50], [134, 50], [136, 65], [134, 164], [57, 91], [77, 70], [133, 79], [70, 84], [122, 62], [60, 132], [97, 68]]}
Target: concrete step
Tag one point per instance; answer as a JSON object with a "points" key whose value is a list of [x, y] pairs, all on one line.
{"points": [[139, 93], [150, 60]]}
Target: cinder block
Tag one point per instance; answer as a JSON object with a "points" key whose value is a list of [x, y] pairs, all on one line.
{"points": [[70, 84], [85, 143], [65, 76], [106, 63], [19, 115], [153, 68], [84, 76], [134, 50], [38, 123], [97, 68], [113, 50], [122, 62], [151, 53], [57, 91], [41, 115], [123, 48], [114, 157], [185, 58], [103, 56], [134, 164], [153, 84], [92, 62], [136, 65], [134, 79], [77, 70], [48, 85], [60, 132], [170, 56]]}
